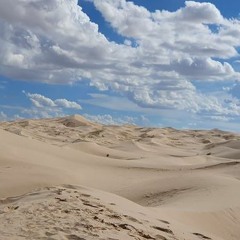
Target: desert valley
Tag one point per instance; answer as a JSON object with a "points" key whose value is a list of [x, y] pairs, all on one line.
{"points": [[69, 178]]}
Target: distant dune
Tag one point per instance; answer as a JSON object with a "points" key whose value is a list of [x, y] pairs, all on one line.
{"points": [[69, 178]]}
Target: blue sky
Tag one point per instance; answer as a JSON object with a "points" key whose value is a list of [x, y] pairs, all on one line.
{"points": [[152, 63]]}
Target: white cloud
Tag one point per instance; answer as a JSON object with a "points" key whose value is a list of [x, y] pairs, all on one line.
{"points": [[67, 104], [44, 107], [107, 119], [173, 49], [3, 116], [220, 118], [200, 13], [41, 101], [128, 42], [35, 113]]}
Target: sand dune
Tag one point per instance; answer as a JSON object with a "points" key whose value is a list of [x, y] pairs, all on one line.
{"points": [[68, 178]]}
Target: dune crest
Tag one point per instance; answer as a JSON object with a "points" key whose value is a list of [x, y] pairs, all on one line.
{"points": [[76, 121]]}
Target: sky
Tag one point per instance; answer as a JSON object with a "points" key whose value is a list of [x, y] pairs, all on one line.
{"points": [[159, 63]]}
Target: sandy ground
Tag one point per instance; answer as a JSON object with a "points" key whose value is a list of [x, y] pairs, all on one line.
{"points": [[68, 178]]}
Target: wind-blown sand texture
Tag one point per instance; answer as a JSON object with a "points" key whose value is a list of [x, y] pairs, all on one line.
{"points": [[68, 178]]}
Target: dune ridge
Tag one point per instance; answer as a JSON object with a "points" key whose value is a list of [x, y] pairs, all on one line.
{"points": [[69, 178]]}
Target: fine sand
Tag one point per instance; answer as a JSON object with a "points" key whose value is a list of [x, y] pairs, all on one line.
{"points": [[68, 178]]}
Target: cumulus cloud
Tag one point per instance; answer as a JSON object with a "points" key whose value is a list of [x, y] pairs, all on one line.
{"points": [[3, 116], [41, 101], [171, 50], [67, 104], [35, 113], [200, 13], [44, 107], [108, 119]]}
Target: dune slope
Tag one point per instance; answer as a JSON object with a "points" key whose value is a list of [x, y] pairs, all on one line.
{"points": [[68, 178]]}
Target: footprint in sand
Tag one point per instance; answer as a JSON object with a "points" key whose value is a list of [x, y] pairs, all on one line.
{"points": [[85, 195], [164, 221], [201, 236], [10, 208], [61, 199], [74, 237], [132, 219], [115, 216], [169, 231]]}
